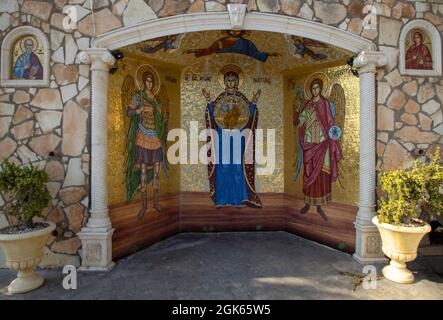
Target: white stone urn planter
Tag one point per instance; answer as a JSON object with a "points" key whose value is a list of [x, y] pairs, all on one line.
{"points": [[400, 245], [24, 251]]}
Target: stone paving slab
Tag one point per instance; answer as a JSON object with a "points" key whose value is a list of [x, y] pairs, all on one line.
{"points": [[237, 265]]}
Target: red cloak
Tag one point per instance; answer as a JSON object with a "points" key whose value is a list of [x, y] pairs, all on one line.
{"points": [[421, 54], [314, 153]]}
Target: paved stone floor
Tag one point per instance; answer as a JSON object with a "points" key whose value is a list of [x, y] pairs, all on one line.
{"points": [[243, 265]]}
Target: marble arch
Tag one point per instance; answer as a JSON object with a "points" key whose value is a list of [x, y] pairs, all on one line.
{"points": [[96, 236]]}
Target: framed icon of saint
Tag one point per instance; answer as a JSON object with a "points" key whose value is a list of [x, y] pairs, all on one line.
{"points": [[25, 58], [420, 49]]}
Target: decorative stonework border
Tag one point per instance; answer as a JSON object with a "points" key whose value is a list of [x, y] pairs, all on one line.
{"points": [[5, 68], [433, 33]]}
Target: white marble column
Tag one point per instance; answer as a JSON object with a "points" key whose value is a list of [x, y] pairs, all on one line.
{"points": [[368, 242], [96, 236]]}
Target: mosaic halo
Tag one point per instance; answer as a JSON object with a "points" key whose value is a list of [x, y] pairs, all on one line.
{"points": [[34, 42], [139, 75], [230, 67], [414, 31], [424, 36], [323, 77]]}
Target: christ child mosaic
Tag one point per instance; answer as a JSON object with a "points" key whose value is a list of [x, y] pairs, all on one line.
{"points": [[27, 56], [318, 113]]}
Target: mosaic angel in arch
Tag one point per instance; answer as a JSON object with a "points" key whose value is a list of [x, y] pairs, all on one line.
{"points": [[320, 121], [163, 43], [27, 65], [301, 47], [418, 55], [146, 141], [234, 118]]}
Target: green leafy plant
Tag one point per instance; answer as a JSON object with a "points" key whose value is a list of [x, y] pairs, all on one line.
{"points": [[26, 187], [413, 193]]}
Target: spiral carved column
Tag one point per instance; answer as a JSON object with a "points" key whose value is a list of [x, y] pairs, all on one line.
{"points": [[96, 236], [368, 242]]}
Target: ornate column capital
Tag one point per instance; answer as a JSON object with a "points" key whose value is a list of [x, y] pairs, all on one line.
{"points": [[369, 61], [98, 58]]}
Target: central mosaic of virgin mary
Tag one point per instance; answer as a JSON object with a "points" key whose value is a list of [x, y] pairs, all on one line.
{"points": [[231, 168]]}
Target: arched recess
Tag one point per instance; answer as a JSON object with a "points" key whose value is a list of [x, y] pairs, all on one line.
{"points": [[97, 234]]}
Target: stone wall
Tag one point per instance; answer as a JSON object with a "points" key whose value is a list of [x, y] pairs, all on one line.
{"points": [[36, 121], [409, 111]]}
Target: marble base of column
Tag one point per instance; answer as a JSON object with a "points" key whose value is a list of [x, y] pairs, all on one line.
{"points": [[368, 246], [96, 249]]}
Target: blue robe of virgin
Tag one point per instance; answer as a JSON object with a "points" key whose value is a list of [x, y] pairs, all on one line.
{"points": [[233, 183]]}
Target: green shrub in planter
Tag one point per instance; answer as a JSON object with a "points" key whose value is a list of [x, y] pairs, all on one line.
{"points": [[413, 193], [26, 186]]}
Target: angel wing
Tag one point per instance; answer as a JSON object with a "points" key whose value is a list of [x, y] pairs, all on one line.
{"points": [[132, 174], [314, 43], [127, 90], [178, 40], [159, 39], [297, 105], [162, 97], [298, 102], [338, 100]]}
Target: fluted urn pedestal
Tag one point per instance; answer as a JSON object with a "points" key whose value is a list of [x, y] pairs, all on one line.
{"points": [[400, 245], [24, 251]]}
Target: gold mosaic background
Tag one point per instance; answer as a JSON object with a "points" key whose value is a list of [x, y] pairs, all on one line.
{"points": [[117, 135], [275, 106], [349, 141]]}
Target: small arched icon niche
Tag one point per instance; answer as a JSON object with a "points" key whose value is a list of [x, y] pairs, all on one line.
{"points": [[420, 49], [25, 58]]}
